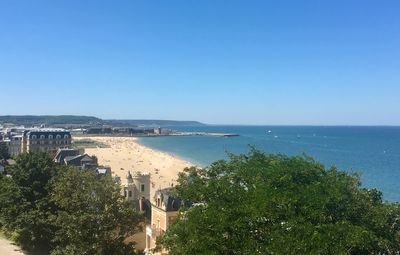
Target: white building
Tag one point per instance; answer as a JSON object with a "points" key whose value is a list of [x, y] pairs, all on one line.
{"points": [[15, 145], [136, 188]]}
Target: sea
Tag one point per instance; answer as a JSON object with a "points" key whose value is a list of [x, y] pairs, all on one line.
{"points": [[373, 152]]}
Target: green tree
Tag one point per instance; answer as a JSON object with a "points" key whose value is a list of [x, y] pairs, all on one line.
{"points": [[24, 204], [4, 154], [274, 204], [52, 209], [93, 217]]}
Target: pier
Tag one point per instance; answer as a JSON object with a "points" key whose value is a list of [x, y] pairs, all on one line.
{"points": [[203, 134]]}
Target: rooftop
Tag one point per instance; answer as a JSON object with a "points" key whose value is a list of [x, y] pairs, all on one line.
{"points": [[48, 130]]}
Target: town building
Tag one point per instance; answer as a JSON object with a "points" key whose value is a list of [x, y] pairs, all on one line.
{"points": [[62, 153], [83, 161], [14, 144], [157, 131], [45, 140], [164, 209], [76, 158], [136, 188], [106, 170]]}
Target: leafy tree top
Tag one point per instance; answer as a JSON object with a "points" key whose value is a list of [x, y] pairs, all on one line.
{"points": [[275, 204]]}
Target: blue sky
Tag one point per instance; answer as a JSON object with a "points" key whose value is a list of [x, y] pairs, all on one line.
{"points": [[223, 62]]}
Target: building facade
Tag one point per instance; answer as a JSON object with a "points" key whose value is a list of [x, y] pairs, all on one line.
{"points": [[45, 140], [14, 145], [136, 188], [164, 209]]}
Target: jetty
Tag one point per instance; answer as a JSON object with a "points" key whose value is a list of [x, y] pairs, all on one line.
{"points": [[203, 134]]}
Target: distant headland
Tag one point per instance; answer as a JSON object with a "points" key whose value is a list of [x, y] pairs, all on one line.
{"points": [[93, 126], [85, 121]]}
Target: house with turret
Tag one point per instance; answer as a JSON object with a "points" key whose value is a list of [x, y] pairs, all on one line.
{"points": [[136, 188]]}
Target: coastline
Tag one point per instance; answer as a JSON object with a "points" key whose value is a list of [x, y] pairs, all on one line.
{"points": [[128, 154]]}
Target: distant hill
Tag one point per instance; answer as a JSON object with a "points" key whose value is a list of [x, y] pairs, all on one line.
{"points": [[161, 123], [73, 120], [29, 120]]}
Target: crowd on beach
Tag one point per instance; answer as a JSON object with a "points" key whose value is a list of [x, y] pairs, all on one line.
{"points": [[125, 154]]}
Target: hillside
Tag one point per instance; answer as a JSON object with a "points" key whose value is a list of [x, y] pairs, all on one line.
{"points": [[72, 120], [29, 120], [161, 123]]}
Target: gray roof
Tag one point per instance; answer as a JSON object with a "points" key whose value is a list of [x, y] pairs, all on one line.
{"points": [[64, 153], [79, 160], [171, 203], [47, 132], [69, 158]]}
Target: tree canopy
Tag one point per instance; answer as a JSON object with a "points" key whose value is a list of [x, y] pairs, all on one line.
{"points": [[275, 204], [24, 199], [52, 209], [93, 218]]}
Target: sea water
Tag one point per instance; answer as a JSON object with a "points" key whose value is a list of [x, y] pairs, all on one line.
{"points": [[374, 152]]}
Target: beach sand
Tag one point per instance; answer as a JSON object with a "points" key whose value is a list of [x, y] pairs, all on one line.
{"points": [[126, 154]]}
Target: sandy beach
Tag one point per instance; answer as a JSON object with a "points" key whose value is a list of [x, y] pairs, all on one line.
{"points": [[126, 154]]}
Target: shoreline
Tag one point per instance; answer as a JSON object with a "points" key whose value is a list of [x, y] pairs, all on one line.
{"points": [[188, 160], [128, 154]]}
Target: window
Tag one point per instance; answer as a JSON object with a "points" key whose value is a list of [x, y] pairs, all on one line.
{"points": [[125, 193], [50, 136], [66, 137], [34, 136], [158, 202], [58, 137], [42, 137], [130, 193], [142, 187]]}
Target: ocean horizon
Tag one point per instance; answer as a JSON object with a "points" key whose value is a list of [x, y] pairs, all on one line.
{"points": [[371, 151]]}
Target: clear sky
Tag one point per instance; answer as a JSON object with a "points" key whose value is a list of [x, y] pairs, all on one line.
{"points": [[225, 62]]}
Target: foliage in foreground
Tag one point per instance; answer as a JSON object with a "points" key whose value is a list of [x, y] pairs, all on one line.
{"points": [[93, 217], [24, 199], [53, 209], [274, 204]]}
